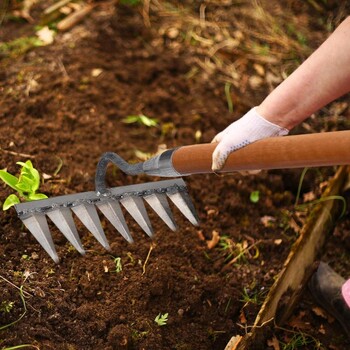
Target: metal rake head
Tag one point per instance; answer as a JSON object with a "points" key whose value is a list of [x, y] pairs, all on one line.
{"points": [[108, 201]]}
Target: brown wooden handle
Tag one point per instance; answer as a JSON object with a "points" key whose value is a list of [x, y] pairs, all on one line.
{"points": [[298, 151]]}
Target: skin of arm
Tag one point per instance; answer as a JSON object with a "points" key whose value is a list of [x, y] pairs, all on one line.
{"points": [[322, 78]]}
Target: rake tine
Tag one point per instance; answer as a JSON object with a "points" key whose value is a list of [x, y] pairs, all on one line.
{"points": [[160, 205], [109, 201], [37, 225], [87, 214], [136, 208], [112, 211], [63, 219], [183, 202]]}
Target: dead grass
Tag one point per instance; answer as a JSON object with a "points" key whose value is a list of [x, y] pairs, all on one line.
{"points": [[255, 46]]}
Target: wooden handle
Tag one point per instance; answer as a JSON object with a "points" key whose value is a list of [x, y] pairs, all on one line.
{"points": [[299, 151]]}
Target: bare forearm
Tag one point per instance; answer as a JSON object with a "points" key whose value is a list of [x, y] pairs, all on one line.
{"points": [[322, 78]]}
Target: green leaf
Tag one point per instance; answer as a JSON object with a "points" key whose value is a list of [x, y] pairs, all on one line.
{"points": [[29, 175], [32, 181], [130, 119], [254, 197], [148, 121], [36, 196], [35, 175], [140, 119], [26, 185], [28, 164], [23, 187], [161, 320], [10, 201], [9, 179]]}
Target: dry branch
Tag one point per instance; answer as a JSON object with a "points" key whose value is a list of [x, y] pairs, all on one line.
{"points": [[74, 18], [298, 267]]}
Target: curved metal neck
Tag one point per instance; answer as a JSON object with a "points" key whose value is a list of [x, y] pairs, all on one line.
{"points": [[110, 157]]}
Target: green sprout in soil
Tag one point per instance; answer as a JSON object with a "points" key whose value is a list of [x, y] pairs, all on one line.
{"points": [[141, 119], [26, 185], [300, 340], [253, 296], [22, 315], [161, 320], [137, 335], [6, 306], [301, 207], [118, 264], [227, 245], [238, 252], [254, 196]]}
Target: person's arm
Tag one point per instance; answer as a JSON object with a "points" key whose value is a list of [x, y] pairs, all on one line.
{"points": [[322, 78]]}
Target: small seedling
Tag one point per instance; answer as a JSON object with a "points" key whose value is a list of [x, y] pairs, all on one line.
{"points": [[141, 119], [316, 201], [254, 196], [26, 185], [301, 340], [22, 315], [118, 264], [161, 320], [227, 245], [6, 306], [253, 296]]}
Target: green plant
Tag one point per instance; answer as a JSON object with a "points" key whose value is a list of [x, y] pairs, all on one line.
{"points": [[316, 201], [161, 320], [238, 252], [141, 119], [137, 335], [118, 264], [26, 184], [299, 341], [254, 196], [227, 245], [22, 315], [252, 296], [6, 306]]}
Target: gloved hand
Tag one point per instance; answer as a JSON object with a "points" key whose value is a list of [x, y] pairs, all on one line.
{"points": [[248, 129]]}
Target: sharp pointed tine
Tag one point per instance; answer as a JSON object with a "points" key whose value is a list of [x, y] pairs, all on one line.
{"points": [[160, 205], [63, 219], [183, 201], [37, 225], [112, 211], [87, 214], [136, 208]]}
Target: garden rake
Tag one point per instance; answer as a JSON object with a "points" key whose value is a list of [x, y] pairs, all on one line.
{"points": [[324, 149]]}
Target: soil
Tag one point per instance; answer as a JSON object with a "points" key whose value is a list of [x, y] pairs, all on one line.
{"points": [[62, 106]]}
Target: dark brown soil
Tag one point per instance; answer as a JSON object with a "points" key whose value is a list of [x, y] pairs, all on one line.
{"points": [[55, 110]]}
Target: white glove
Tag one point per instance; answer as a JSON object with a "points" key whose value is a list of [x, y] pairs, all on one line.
{"points": [[248, 129]]}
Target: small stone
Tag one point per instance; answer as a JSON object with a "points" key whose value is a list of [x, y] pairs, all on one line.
{"points": [[96, 72], [173, 33]]}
